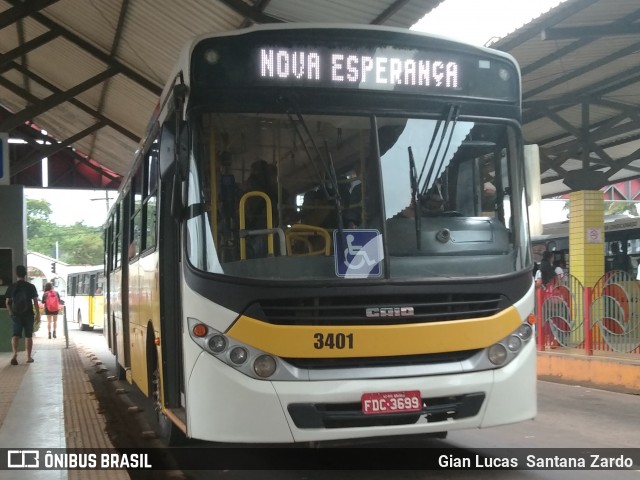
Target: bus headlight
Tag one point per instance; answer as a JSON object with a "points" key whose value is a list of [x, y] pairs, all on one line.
{"points": [[524, 332], [498, 354], [244, 358], [217, 343], [514, 343], [264, 366], [238, 355], [506, 350]]}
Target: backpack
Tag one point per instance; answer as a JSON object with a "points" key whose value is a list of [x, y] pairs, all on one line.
{"points": [[52, 301], [20, 304]]}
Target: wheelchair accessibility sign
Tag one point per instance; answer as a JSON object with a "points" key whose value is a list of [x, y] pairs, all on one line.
{"points": [[360, 253]]}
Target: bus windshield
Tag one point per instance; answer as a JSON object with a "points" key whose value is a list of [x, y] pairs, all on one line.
{"points": [[294, 196]]}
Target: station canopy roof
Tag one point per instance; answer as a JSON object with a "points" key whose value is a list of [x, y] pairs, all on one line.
{"points": [[89, 72], [580, 67]]}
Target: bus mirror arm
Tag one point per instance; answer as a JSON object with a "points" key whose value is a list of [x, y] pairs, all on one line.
{"points": [[183, 150], [176, 197]]}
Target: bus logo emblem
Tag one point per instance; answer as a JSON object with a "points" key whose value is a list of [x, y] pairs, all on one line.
{"points": [[375, 312]]}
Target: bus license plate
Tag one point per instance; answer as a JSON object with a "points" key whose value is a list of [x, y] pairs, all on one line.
{"points": [[391, 402]]}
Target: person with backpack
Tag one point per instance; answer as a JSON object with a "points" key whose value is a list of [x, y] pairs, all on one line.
{"points": [[22, 302], [52, 302]]}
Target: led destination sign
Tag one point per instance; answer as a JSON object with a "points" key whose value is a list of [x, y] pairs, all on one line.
{"points": [[376, 71], [354, 64]]}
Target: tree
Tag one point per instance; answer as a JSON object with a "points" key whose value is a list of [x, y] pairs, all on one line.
{"points": [[615, 207], [77, 244], [625, 208]]}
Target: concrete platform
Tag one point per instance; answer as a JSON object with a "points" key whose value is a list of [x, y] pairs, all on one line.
{"points": [[619, 373], [50, 403]]}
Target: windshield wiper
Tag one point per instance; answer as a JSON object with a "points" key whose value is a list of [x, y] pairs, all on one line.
{"points": [[328, 167], [337, 199], [306, 149], [415, 198], [452, 115]]}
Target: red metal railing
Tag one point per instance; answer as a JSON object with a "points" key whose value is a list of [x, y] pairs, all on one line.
{"points": [[602, 318]]}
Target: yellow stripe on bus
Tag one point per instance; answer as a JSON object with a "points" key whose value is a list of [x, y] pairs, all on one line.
{"points": [[374, 340]]}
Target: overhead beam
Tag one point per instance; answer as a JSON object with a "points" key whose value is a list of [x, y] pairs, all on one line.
{"points": [[600, 131], [594, 90], [124, 8], [23, 59], [30, 135], [35, 157], [53, 100], [593, 31], [389, 12], [624, 163], [253, 14], [93, 50], [11, 55], [530, 31], [74, 101], [23, 10], [572, 47], [575, 73]]}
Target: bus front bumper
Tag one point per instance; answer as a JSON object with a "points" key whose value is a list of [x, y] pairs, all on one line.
{"points": [[227, 406]]}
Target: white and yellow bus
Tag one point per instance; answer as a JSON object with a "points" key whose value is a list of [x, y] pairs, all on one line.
{"points": [[324, 236], [84, 303]]}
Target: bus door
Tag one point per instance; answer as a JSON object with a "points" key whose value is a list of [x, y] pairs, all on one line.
{"points": [[169, 264]]}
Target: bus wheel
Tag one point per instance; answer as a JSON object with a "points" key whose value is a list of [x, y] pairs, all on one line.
{"points": [[83, 327], [168, 432], [121, 373]]}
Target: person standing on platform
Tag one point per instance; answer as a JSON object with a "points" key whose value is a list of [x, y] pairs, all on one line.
{"points": [[52, 302], [22, 302], [546, 273], [621, 260]]}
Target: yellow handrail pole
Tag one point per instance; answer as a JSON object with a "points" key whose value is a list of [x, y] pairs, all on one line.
{"points": [[301, 229], [242, 213]]}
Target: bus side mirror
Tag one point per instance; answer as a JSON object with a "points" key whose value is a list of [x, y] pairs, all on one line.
{"points": [[167, 149]]}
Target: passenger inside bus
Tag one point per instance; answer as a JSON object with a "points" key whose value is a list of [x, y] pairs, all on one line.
{"points": [[353, 204]]}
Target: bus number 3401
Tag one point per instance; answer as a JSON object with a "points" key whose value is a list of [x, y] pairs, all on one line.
{"points": [[333, 340]]}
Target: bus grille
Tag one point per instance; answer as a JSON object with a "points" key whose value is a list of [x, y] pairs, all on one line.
{"points": [[381, 310], [380, 362]]}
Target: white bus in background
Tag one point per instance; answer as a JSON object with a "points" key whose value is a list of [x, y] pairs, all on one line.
{"points": [[84, 301]]}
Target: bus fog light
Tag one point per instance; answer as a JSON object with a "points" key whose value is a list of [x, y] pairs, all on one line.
{"points": [[514, 343], [524, 331], [217, 343], [498, 354], [238, 355], [264, 366]]}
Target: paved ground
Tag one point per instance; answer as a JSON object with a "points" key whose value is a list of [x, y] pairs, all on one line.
{"points": [[50, 403]]}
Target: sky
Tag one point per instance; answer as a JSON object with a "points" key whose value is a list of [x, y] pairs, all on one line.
{"points": [[473, 21], [477, 21], [71, 206]]}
